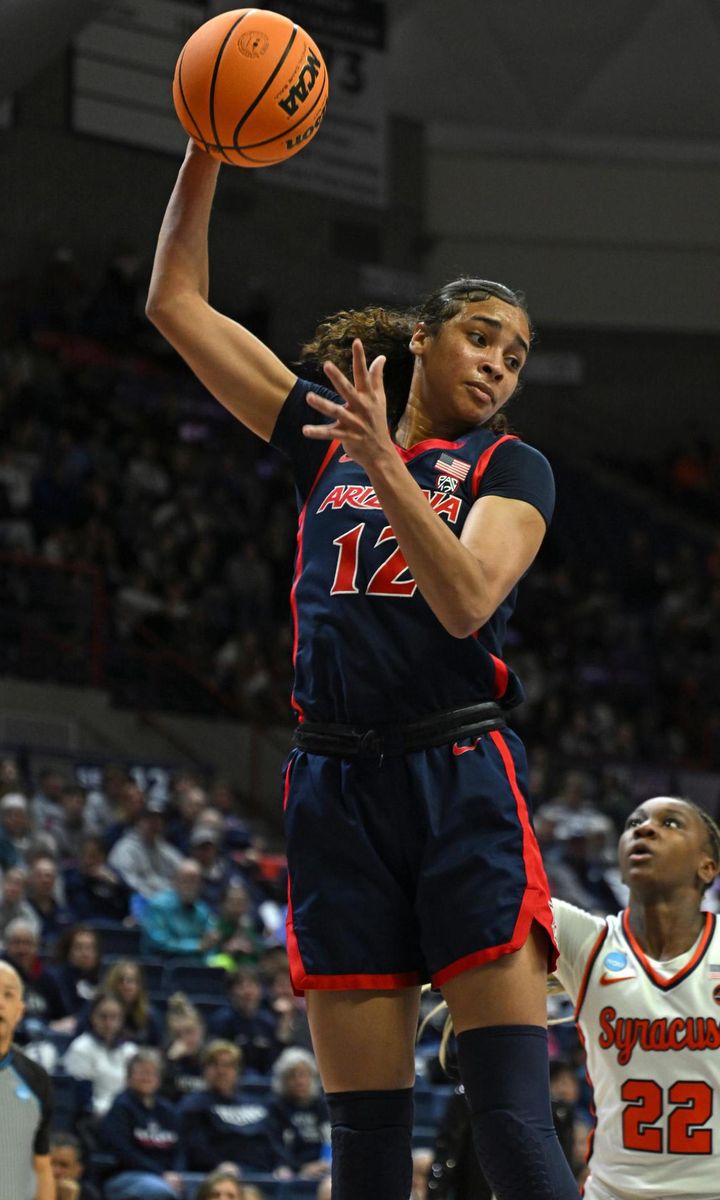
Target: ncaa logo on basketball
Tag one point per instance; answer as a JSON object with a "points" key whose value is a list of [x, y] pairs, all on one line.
{"points": [[300, 91], [253, 44]]}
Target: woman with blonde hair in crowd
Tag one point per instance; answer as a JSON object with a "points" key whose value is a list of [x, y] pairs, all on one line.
{"points": [[224, 1183], [142, 1023]]}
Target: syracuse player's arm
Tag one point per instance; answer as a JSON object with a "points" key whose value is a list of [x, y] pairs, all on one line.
{"points": [[240, 371]]}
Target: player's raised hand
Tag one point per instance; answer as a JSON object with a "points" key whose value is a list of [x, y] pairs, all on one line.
{"points": [[360, 422]]}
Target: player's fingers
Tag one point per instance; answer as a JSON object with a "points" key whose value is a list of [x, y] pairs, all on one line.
{"points": [[323, 405], [340, 382], [360, 367], [375, 373]]}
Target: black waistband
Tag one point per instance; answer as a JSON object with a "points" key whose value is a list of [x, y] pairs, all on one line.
{"points": [[347, 740]]}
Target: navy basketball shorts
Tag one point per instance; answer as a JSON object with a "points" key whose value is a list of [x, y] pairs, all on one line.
{"points": [[410, 868]]}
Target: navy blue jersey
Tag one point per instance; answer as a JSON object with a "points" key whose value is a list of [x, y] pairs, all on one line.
{"points": [[368, 648]]}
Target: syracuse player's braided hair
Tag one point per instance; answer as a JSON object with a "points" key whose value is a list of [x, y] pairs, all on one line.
{"points": [[712, 830], [388, 331]]}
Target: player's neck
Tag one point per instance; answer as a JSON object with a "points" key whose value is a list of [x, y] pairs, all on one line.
{"points": [[665, 928]]}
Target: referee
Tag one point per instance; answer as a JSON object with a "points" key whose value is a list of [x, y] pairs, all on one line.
{"points": [[25, 1106]]}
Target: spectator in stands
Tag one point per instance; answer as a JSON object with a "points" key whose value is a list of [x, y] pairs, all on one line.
{"points": [[176, 922], [69, 831], [324, 1191], [43, 1002], [183, 1073], [66, 1158], [130, 803], [101, 1054], [240, 930], [141, 1022], [564, 1095], [142, 857], [42, 888], [221, 1123], [103, 803], [299, 1113], [204, 847], [190, 801], [141, 1131], [77, 970], [13, 903], [14, 830], [286, 1010], [45, 804], [243, 1021], [93, 890], [225, 1183], [10, 777]]}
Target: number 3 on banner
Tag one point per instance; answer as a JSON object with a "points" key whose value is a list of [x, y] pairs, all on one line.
{"points": [[693, 1106]]}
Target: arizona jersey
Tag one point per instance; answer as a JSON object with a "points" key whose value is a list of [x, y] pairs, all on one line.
{"points": [[651, 1032], [368, 648]]}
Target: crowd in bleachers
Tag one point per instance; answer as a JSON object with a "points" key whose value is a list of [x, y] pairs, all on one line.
{"points": [[158, 994]]}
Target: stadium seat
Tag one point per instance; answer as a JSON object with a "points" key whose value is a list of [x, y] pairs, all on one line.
{"points": [[71, 1098], [195, 979], [118, 941]]}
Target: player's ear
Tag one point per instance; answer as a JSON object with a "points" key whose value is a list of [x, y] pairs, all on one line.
{"points": [[707, 870], [420, 338]]}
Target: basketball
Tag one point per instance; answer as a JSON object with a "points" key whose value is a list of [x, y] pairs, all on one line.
{"points": [[250, 87]]}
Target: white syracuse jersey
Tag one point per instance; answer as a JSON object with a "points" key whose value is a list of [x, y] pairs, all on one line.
{"points": [[651, 1032]]}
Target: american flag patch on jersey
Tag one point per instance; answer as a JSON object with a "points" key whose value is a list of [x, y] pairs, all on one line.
{"points": [[448, 465]]}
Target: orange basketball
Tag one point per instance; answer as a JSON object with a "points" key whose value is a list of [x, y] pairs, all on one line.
{"points": [[250, 87]]}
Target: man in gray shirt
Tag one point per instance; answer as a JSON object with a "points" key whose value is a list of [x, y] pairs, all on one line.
{"points": [[146, 862], [25, 1105]]}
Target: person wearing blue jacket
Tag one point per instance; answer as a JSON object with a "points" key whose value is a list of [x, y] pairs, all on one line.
{"points": [[141, 1130], [220, 1124], [176, 923]]}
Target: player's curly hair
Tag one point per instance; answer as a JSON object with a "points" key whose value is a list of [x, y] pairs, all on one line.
{"points": [[388, 331]]}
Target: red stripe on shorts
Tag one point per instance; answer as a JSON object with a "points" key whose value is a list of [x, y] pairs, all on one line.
{"points": [[535, 904]]}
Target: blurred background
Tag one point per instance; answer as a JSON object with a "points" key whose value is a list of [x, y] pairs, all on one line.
{"points": [[146, 540]]}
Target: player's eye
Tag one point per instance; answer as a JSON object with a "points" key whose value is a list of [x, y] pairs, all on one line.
{"points": [[672, 821], [513, 363], [632, 822], [482, 340]]}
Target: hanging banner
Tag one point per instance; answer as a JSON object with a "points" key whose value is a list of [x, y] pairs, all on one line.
{"points": [[123, 66], [347, 158]]}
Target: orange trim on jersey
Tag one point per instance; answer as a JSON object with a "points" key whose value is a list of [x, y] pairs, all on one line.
{"points": [[659, 980], [299, 560], [484, 459], [592, 958], [535, 904]]}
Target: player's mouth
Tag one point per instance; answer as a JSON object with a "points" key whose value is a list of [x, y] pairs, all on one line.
{"points": [[639, 854], [480, 392]]}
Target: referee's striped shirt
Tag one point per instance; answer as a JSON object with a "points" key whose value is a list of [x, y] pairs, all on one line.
{"points": [[25, 1112]]}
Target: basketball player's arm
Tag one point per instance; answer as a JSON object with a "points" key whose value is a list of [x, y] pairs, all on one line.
{"points": [[240, 371], [575, 933], [44, 1178], [463, 580]]}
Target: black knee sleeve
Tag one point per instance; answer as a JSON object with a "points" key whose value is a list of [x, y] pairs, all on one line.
{"points": [[371, 1144], [504, 1070]]}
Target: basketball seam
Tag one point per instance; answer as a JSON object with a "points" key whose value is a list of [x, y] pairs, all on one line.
{"points": [[263, 90], [213, 82], [184, 100]]}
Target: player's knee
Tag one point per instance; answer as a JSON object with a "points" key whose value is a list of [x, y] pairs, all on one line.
{"points": [[369, 1129]]}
